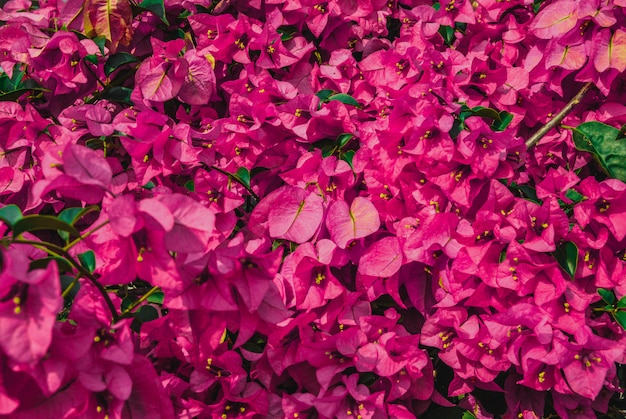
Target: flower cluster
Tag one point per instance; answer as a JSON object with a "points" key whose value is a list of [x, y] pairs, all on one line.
{"points": [[293, 209]]}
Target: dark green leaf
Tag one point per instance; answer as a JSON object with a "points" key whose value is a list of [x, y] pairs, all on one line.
{"points": [[536, 5], [10, 214], [601, 141], [92, 58], [66, 281], [147, 314], [325, 94], [447, 33], [118, 94], [126, 302], [343, 139], [42, 222], [345, 98], [567, 256], [574, 196], [117, 60], [606, 295], [157, 7], [156, 298], [620, 317], [276, 244], [64, 265], [287, 32], [503, 122], [72, 215], [347, 157], [328, 151], [622, 132], [100, 42], [486, 113], [622, 302], [468, 415], [16, 94], [88, 260], [243, 175], [190, 186], [149, 186]]}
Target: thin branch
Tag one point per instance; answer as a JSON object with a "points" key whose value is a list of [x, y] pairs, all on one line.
{"points": [[536, 137], [83, 272], [85, 235], [131, 307], [236, 179]]}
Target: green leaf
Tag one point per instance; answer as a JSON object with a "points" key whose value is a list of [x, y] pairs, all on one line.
{"points": [[620, 317], [64, 265], [92, 58], [486, 113], [536, 5], [157, 7], [606, 295], [100, 41], [10, 214], [243, 175], [149, 186], [146, 314], [126, 302], [447, 33], [621, 303], [16, 94], [190, 186], [601, 141], [567, 256], [88, 260], [574, 196], [503, 121], [66, 281], [343, 139], [345, 98], [325, 94], [287, 32], [468, 415], [622, 132], [347, 157], [156, 298], [117, 60], [42, 222], [72, 215], [118, 94]]}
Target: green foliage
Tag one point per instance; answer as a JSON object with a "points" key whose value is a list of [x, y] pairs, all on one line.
{"points": [[10, 214], [567, 256], [601, 141], [117, 60], [42, 222]]}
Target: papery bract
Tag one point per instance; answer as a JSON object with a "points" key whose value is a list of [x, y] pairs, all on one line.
{"points": [[349, 223]]}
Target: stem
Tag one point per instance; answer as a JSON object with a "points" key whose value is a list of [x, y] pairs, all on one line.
{"points": [[85, 235], [134, 304], [82, 271], [70, 287], [536, 137], [233, 177]]}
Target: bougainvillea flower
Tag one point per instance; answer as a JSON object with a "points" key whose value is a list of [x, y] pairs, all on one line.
{"points": [[349, 223], [29, 302]]}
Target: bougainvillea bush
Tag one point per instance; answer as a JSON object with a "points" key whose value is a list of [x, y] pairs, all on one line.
{"points": [[312, 209]]}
